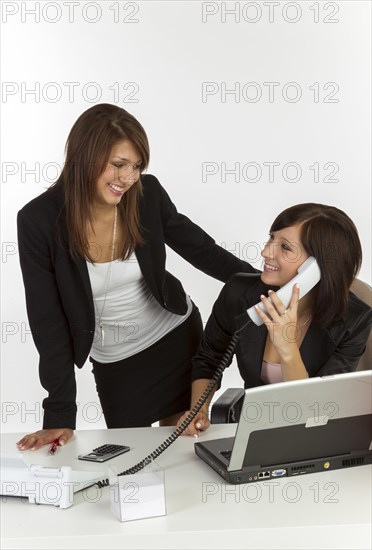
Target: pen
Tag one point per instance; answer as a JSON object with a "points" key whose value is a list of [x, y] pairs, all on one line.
{"points": [[54, 446]]}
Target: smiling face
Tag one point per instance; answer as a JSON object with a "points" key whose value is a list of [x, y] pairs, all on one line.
{"points": [[283, 254], [122, 171]]}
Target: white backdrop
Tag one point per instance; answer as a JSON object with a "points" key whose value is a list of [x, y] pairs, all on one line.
{"points": [[250, 107]]}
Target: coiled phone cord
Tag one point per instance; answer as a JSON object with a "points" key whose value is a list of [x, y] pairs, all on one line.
{"points": [[182, 427]]}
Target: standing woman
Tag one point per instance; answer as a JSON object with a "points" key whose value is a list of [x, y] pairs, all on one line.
{"points": [[92, 254]]}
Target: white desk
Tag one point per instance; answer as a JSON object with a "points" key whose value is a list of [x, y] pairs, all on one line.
{"points": [[327, 510]]}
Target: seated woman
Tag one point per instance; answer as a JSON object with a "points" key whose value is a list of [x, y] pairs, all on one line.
{"points": [[324, 333]]}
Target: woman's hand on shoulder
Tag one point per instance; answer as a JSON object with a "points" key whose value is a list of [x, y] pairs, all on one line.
{"points": [[40, 438], [199, 424]]}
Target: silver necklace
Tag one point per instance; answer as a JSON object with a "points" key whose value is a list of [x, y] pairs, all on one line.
{"points": [[108, 279]]}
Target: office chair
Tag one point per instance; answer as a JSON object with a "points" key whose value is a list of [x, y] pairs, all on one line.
{"points": [[364, 293], [226, 409]]}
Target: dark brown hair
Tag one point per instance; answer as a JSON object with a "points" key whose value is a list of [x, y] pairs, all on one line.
{"points": [[88, 148], [329, 235]]}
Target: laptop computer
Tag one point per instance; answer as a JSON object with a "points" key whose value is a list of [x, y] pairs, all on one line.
{"points": [[294, 428]]}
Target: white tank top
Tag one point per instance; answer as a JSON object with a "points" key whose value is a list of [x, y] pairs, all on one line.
{"points": [[132, 318]]}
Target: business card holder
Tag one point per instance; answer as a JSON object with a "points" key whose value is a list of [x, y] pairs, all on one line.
{"points": [[138, 496]]}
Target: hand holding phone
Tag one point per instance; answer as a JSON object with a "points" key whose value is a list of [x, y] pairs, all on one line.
{"points": [[307, 277]]}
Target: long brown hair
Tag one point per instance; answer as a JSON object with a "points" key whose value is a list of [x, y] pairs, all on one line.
{"points": [[329, 235], [88, 148]]}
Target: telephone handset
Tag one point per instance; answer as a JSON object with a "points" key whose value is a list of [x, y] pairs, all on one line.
{"points": [[308, 275]]}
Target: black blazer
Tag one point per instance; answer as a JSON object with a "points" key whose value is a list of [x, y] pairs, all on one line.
{"points": [[59, 298], [335, 349]]}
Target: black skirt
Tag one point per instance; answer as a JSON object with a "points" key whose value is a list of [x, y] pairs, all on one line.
{"points": [[153, 384]]}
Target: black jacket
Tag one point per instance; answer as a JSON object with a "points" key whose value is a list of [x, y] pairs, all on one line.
{"points": [[59, 298], [335, 349]]}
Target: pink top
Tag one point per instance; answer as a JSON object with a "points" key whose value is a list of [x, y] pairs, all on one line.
{"points": [[271, 373]]}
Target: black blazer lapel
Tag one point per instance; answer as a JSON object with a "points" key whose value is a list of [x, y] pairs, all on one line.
{"points": [[252, 339], [77, 265], [314, 348], [82, 269]]}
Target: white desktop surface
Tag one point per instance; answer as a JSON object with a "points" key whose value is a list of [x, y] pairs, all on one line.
{"points": [[331, 509]]}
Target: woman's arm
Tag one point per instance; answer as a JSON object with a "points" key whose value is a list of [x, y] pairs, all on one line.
{"points": [[47, 320], [201, 421], [194, 245], [216, 338]]}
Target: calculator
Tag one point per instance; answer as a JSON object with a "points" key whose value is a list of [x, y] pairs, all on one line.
{"points": [[105, 452]]}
